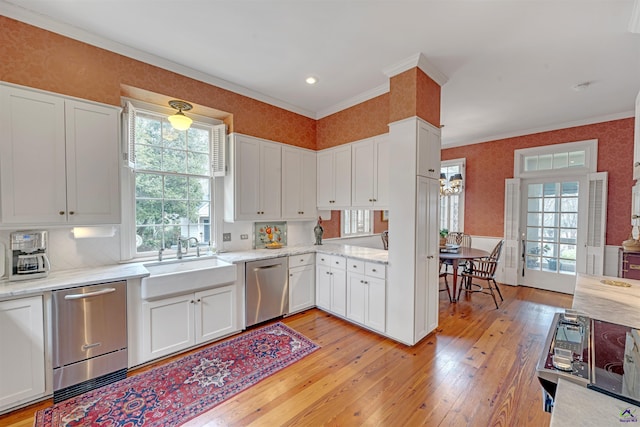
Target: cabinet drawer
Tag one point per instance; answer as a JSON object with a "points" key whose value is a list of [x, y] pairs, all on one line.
{"points": [[332, 261], [375, 270], [304, 259], [355, 265]]}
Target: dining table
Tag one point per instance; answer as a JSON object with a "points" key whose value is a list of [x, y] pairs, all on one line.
{"points": [[455, 256]]}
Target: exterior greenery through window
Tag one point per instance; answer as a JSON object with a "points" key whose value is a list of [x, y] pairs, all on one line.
{"points": [[172, 183]]}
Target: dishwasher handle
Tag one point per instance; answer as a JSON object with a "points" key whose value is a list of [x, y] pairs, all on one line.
{"points": [[266, 267], [90, 294]]}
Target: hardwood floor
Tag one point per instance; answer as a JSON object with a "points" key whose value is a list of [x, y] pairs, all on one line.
{"points": [[477, 369]]}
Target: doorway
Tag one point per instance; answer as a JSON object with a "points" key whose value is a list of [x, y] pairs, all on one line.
{"points": [[552, 237]]}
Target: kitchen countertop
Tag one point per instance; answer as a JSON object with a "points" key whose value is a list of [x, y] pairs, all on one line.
{"points": [[379, 256], [88, 276], [574, 404], [72, 278]]}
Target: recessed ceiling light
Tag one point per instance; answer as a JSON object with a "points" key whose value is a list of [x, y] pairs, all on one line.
{"points": [[311, 80]]}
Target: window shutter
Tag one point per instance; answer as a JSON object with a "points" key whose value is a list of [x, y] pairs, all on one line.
{"points": [[597, 217], [218, 152], [511, 248], [129, 142]]}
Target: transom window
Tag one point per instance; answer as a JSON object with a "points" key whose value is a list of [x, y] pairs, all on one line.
{"points": [[550, 161], [172, 183]]}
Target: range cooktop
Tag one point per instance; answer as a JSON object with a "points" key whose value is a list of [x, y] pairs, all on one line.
{"points": [[599, 355]]}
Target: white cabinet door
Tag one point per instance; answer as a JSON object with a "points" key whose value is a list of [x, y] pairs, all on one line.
{"points": [[334, 178], [428, 141], [92, 159], [246, 174], [22, 360], [253, 190], [298, 183], [32, 157], [215, 314], [363, 173], [59, 160], [270, 181], [342, 180], [382, 170], [323, 287], [339, 292], [370, 173], [167, 326], [427, 280], [376, 304], [356, 297], [301, 288]]}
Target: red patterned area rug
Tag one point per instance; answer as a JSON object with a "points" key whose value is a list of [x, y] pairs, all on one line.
{"points": [[179, 391]]}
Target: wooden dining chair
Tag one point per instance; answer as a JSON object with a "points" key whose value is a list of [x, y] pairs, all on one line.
{"points": [[456, 238], [483, 269], [443, 274]]}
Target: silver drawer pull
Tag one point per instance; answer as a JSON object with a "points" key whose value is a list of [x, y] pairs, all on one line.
{"points": [[90, 346], [90, 294]]}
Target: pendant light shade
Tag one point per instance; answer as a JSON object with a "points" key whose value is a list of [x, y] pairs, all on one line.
{"points": [[179, 121]]}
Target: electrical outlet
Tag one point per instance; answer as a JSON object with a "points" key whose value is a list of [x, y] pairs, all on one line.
{"points": [[244, 236], [226, 237]]}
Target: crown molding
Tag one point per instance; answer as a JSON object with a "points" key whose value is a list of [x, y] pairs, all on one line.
{"points": [[549, 128], [46, 23], [355, 100], [420, 61]]}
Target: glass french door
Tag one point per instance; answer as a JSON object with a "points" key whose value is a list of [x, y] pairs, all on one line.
{"points": [[552, 239]]}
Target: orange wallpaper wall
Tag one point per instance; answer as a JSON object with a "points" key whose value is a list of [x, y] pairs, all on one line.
{"points": [[490, 163], [413, 93], [48, 61], [367, 119]]}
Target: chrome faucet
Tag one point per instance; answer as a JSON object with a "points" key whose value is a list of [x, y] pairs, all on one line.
{"points": [[185, 242], [195, 239]]}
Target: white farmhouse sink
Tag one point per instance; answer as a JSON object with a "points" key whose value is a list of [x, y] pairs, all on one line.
{"points": [[179, 277]]}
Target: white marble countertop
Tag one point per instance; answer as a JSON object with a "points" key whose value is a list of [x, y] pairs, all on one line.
{"points": [[576, 405], [615, 304], [87, 276], [379, 256], [72, 278]]}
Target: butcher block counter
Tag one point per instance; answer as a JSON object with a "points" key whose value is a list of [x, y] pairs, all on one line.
{"points": [[576, 405]]}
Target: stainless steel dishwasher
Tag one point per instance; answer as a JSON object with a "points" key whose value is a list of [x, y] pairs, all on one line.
{"points": [[266, 289], [89, 338]]}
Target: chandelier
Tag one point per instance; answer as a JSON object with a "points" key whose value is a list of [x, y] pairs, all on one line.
{"points": [[454, 186]]}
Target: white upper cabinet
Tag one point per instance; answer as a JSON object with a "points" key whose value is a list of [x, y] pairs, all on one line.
{"points": [[428, 140], [334, 178], [636, 141], [253, 187], [59, 159], [298, 183], [370, 173]]}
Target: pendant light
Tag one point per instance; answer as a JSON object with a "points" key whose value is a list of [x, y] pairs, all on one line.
{"points": [[179, 121]]}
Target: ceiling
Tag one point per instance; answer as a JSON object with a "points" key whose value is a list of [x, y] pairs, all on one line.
{"points": [[510, 65]]}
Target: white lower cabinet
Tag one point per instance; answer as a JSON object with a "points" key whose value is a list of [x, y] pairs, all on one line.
{"points": [[366, 294], [331, 284], [22, 351], [173, 324], [302, 281]]}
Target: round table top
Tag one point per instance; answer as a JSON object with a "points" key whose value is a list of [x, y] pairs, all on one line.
{"points": [[465, 253]]}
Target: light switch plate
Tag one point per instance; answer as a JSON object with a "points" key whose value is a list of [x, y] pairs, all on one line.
{"points": [[226, 237], [244, 236]]}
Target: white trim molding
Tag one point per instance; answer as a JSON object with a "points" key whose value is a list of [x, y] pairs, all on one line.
{"points": [[420, 61]]}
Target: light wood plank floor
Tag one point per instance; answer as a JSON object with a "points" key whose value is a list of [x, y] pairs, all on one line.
{"points": [[477, 369]]}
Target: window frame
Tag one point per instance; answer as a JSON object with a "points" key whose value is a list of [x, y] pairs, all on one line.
{"points": [[128, 227], [461, 163], [343, 222]]}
